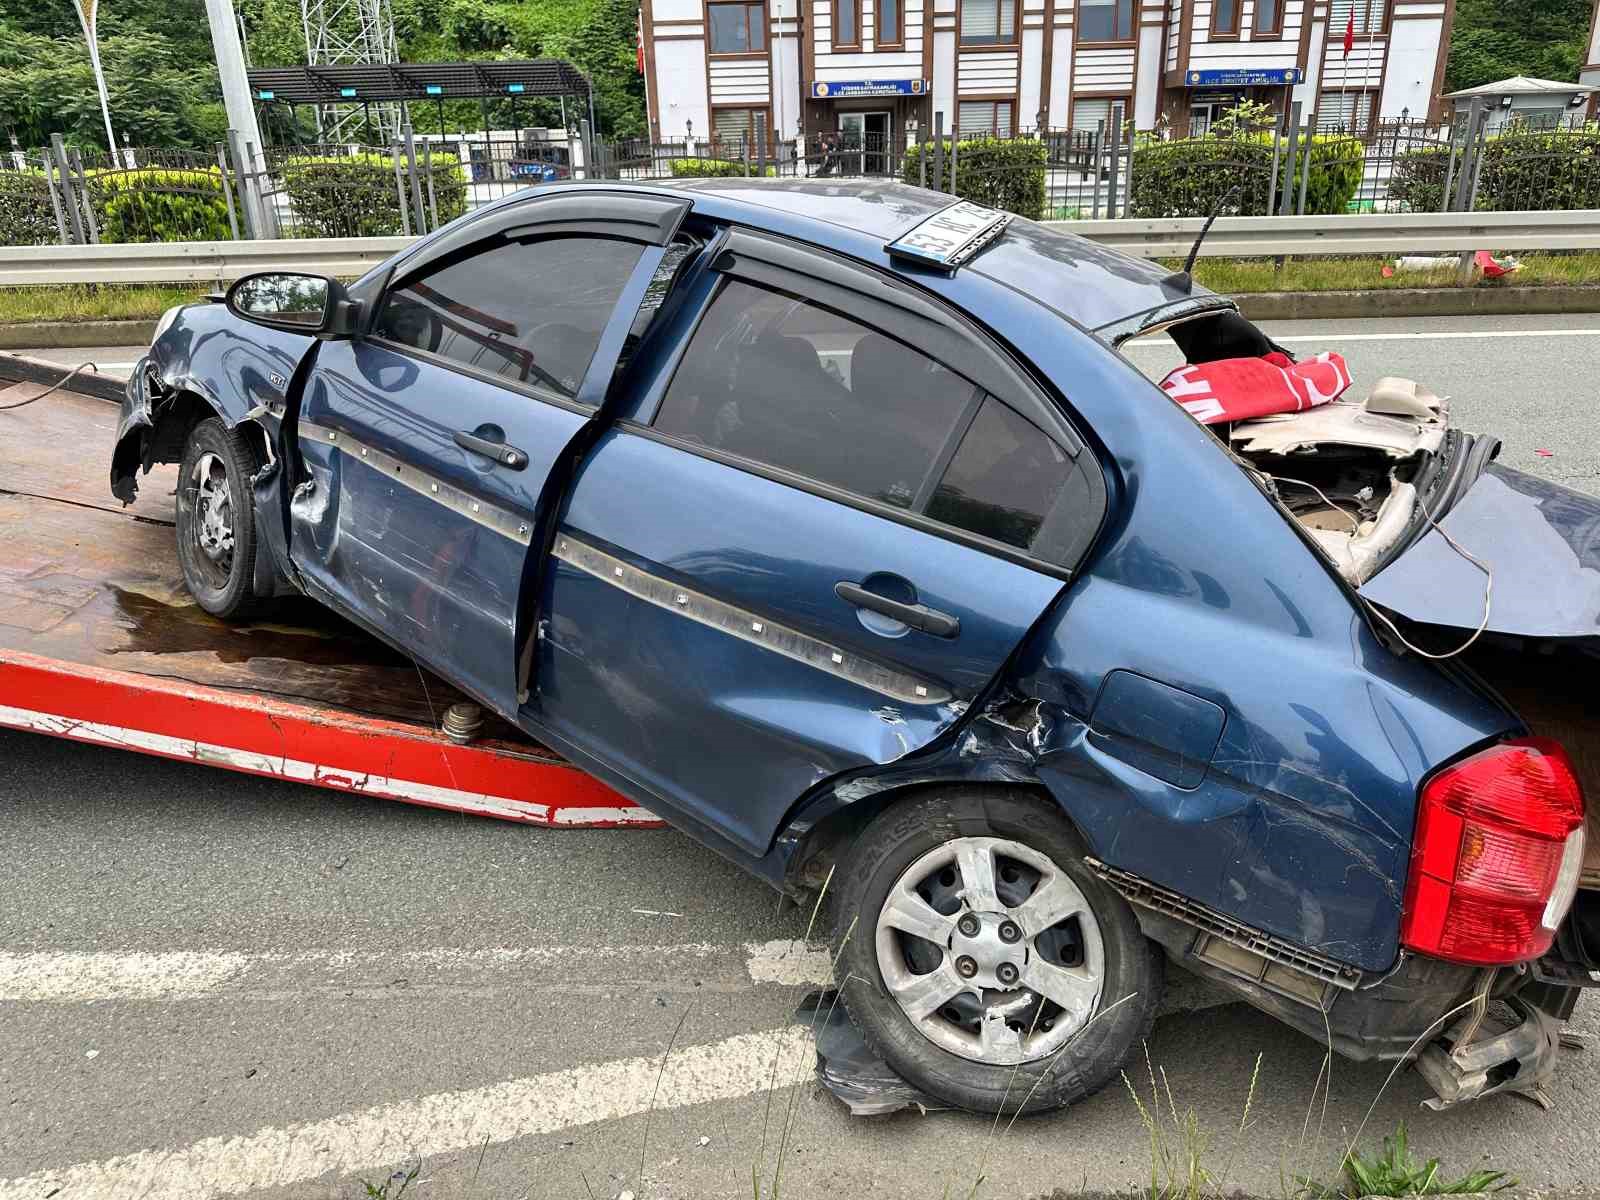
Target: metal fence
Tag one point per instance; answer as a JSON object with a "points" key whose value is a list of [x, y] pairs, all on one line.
{"points": [[421, 181]]}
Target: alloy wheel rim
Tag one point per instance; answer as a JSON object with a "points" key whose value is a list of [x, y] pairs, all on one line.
{"points": [[211, 519], [991, 951]]}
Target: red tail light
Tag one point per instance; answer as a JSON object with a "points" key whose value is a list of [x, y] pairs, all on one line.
{"points": [[1497, 853]]}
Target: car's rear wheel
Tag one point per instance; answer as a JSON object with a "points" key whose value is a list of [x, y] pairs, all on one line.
{"points": [[982, 958], [216, 520]]}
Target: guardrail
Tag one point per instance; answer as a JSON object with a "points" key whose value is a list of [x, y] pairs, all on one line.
{"points": [[191, 262], [1231, 237]]}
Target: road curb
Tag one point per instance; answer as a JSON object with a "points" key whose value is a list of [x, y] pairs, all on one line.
{"points": [[1418, 302], [16, 368], [61, 335]]}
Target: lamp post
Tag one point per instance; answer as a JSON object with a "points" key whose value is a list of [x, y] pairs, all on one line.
{"points": [[87, 11]]}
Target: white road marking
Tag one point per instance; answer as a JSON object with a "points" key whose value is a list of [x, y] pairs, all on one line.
{"points": [[1333, 339], [386, 1134], [789, 961], [84, 976], [74, 977]]}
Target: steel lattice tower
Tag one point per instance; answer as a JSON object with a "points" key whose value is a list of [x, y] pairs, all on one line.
{"points": [[351, 31]]}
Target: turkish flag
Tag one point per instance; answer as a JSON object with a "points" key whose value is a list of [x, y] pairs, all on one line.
{"points": [[638, 42], [1350, 32], [1239, 389]]}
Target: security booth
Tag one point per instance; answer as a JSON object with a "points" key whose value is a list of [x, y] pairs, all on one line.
{"points": [[858, 125]]}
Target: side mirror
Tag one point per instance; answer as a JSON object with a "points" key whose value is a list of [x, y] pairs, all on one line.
{"points": [[299, 303]]}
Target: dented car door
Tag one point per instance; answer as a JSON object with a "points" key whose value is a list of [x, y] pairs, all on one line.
{"points": [[809, 544], [429, 442]]}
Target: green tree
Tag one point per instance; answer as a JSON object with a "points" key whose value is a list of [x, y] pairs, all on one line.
{"points": [[1493, 40], [157, 97]]}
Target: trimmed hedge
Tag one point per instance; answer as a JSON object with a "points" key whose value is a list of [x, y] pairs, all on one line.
{"points": [[354, 195], [159, 204], [1005, 173], [1537, 170], [712, 168], [1540, 170], [1188, 177], [26, 217], [1417, 178]]}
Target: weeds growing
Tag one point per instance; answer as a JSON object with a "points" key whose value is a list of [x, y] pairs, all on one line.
{"points": [[1396, 1173]]}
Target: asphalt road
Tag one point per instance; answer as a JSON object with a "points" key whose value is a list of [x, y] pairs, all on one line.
{"points": [[212, 984]]}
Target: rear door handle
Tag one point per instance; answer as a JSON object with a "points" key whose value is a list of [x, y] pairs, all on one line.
{"points": [[918, 616], [500, 452]]}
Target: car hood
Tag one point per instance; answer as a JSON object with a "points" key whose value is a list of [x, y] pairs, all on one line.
{"points": [[1540, 540]]}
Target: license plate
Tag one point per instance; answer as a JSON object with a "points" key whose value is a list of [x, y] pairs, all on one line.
{"points": [[951, 235]]}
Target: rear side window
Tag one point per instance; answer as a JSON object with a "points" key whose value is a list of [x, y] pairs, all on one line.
{"points": [[775, 379], [1004, 480], [531, 312]]}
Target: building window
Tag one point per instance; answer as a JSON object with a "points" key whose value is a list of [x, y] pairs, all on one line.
{"points": [[737, 28], [989, 22], [889, 22], [1105, 20], [846, 22], [1371, 16], [1268, 21], [984, 118], [1225, 18], [1088, 112], [735, 129], [1348, 112]]}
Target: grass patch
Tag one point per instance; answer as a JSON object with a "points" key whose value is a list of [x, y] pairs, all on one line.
{"points": [[1396, 1173], [1240, 276], [94, 301]]}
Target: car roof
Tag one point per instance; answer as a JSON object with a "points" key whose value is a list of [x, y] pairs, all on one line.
{"points": [[1082, 280]]}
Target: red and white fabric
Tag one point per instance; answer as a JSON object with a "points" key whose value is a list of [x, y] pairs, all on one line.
{"points": [[1239, 389]]}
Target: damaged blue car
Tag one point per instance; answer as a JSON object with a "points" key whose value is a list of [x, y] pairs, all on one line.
{"points": [[829, 522]]}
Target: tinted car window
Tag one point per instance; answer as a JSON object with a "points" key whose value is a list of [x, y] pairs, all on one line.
{"points": [[527, 311], [774, 378], [1004, 479]]}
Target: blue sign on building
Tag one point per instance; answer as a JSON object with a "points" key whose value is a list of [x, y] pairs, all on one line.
{"points": [[1245, 77], [849, 89]]}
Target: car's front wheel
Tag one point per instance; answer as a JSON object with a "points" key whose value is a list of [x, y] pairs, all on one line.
{"points": [[216, 520], [982, 958]]}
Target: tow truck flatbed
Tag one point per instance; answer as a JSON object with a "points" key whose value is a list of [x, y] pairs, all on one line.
{"points": [[100, 642]]}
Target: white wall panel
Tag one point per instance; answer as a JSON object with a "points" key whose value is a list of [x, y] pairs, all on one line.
{"points": [[1102, 70], [676, 10], [741, 82], [1032, 78], [681, 83], [1061, 77], [944, 75], [1413, 54], [1149, 83]]}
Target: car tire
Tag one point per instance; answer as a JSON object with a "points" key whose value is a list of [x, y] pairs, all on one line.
{"points": [[216, 531], [1037, 1061]]}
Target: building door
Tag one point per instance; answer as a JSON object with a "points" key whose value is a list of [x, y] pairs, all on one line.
{"points": [[864, 142]]}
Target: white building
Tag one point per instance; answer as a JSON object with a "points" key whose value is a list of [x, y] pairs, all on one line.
{"points": [[888, 67]]}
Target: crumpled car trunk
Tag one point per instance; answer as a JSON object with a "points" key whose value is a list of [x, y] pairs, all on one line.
{"points": [[1377, 481]]}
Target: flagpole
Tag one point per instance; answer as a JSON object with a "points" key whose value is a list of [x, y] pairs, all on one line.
{"points": [[87, 11], [1366, 66]]}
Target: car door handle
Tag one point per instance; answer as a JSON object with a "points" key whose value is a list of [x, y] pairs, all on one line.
{"points": [[506, 456], [918, 616]]}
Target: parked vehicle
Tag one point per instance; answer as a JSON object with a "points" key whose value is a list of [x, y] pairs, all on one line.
{"points": [[828, 522]]}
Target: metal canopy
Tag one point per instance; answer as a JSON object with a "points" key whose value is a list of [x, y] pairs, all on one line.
{"points": [[374, 82]]}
